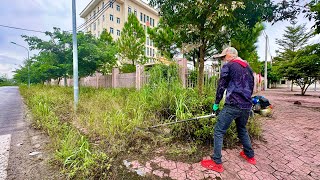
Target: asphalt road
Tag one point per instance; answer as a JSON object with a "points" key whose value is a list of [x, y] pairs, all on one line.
{"points": [[11, 110], [11, 122]]}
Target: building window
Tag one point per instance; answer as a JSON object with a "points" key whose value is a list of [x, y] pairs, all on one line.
{"points": [[147, 18], [111, 4], [152, 53], [103, 18], [144, 18], [98, 8], [147, 51], [141, 17], [111, 17], [129, 10], [118, 7], [102, 5], [94, 26], [151, 22], [148, 41], [118, 20], [118, 32], [111, 30], [135, 12]]}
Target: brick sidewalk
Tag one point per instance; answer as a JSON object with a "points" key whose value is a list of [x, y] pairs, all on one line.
{"points": [[290, 150]]}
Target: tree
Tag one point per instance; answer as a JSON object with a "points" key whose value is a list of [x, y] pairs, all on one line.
{"points": [[131, 42], [310, 9], [314, 6], [295, 37], [93, 54], [165, 39], [208, 25], [58, 46], [109, 48], [244, 39], [305, 69], [55, 58], [273, 73], [197, 23]]}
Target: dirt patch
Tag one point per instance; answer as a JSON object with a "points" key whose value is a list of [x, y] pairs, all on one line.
{"points": [[30, 154]]}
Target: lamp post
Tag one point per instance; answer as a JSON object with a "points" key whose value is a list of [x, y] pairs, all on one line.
{"points": [[75, 56], [27, 60], [266, 63]]}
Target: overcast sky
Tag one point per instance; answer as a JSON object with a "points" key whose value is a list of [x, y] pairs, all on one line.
{"points": [[43, 15]]}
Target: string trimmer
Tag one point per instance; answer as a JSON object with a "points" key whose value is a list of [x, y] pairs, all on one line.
{"points": [[180, 121]]}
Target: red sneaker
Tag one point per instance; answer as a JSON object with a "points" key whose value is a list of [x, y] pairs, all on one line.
{"points": [[209, 164], [249, 160]]}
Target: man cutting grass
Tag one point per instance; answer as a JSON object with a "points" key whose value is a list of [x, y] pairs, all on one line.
{"points": [[237, 78]]}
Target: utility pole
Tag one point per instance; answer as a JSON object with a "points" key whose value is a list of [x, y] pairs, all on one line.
{"points": [[75, 56], [266, 66], [28, 65]]}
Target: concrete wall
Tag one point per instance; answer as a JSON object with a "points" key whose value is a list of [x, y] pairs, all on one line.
{"points": [[114, 80], [139, 78]]}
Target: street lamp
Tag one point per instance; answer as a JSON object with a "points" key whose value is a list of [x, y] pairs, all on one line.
{"points": [[266, 63], [75, 55], [27, 61]]}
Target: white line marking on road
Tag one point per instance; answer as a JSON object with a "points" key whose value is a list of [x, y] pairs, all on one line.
{"points": [[4, 154]]}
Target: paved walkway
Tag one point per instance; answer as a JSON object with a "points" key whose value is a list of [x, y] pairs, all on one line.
{"points": [[10, 117], [290, 148]]}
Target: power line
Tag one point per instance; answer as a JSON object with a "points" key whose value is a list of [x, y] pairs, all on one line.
{"points": [[11, 27], [94, 17], [82, 26]]}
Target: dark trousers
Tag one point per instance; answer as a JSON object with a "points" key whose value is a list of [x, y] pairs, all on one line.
{"points": [[225, 118]]}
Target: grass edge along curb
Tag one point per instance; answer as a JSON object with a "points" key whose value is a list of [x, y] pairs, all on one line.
{"points": [[73, 151]]}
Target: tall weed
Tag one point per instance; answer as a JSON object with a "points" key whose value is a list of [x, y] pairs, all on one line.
{"points": [[73, 150]]}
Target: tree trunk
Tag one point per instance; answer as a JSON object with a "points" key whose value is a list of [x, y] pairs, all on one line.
{"points": [[201, 68], [292, 85], [65, 80], [79, 79], [59, 79]]}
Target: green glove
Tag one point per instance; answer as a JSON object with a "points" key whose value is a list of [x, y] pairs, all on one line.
{"points": [[215, 107]]}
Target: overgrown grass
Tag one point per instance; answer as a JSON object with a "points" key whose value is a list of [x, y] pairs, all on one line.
{"points": [[106, 122], [52, 112]]}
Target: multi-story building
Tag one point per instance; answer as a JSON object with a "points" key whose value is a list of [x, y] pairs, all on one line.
{"points": [[112, 14]]}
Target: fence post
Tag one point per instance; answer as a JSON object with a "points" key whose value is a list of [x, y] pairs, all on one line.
{"points": [[139, 71], [115, 73], [183, 70], [97, 80]]}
